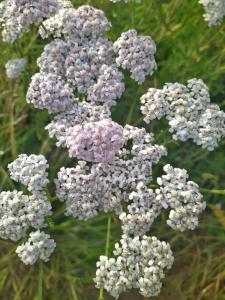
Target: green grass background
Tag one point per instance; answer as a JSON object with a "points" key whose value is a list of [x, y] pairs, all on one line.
{"points": [[187, 48]]}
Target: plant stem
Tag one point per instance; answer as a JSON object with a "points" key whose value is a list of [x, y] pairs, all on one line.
{"points": [[101, 292], [216, 192], [12, 129]]}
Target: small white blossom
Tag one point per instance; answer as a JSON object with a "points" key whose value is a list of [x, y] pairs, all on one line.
{"points": [[30, 171], [140, 264], [188, 110], [18, 212], [214, 11], [14, 67], [182, 196], [38, 246]]}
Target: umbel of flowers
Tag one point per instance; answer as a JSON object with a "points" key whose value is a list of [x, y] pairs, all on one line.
{"points": [[78, 82]]}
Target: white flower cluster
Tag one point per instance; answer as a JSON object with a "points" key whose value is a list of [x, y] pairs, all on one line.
{"points": [[175, 192], [182, 197], [89, 189], [49, 91], [140, 264], [38, 246], [188, 110], [136, 53], [16, 16], [214, 11], [19, 212], [95, 141], [31, 171], [14, 67]]}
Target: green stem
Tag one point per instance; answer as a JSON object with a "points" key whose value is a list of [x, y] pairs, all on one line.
{"points": [[216, 192], [12, 129], [101, 292]]}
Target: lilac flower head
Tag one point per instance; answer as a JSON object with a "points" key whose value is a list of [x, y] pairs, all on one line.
{"points": [[86, 21], [18, 15], [78, 113], [97, 141], [109, 86], [49, 91], [136, 53]]}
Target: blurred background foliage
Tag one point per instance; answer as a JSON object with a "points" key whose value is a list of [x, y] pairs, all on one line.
{"points": [[187, 48]]}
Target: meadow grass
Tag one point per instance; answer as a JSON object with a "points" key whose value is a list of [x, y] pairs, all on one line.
{"points": [[187, 48]]}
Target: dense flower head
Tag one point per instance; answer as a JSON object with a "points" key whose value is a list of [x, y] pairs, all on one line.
{"points": [[89, 189], [140, 263], [143, 208], [14, 67], [18, 15], [38, 246], [79, 113], [136, 53], [18, 212], [109, 86], [214, 11], [86, 21], [85, 59], [53, 57], [175, 193], [188, 110], [30, 171], [95, 141], [49, 91], [182, 196]]}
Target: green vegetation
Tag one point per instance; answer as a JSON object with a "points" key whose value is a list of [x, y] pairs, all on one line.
{"points": [[187, 48]]}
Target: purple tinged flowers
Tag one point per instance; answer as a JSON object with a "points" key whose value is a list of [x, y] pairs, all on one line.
{"points": [[95, 141]]}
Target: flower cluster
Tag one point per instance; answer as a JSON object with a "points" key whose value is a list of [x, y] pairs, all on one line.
{"points": [[38, 246], [14, 67], [140, 264], [136, 53], [87, 190], [79, 113], [188, 110], [79, 81], [95, 141], [16, 16], [31, 171], [19, 212], [214, 11], [49, 91], [182, 197]]}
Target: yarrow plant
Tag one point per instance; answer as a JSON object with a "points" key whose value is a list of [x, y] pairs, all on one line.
{"points": [[214, 11], [79, 80]]}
